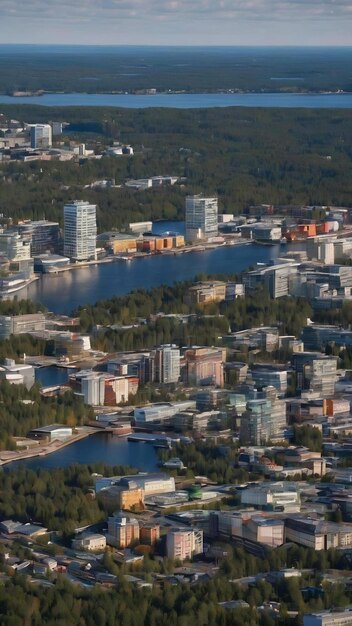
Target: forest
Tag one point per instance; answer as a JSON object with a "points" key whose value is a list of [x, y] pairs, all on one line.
{"points": [[58, 499], [21, 410], [130, 68], [206, 324], [233, 152], [62, 604]]}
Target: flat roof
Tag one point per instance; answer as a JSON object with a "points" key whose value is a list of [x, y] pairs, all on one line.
{"points": [[51, 428]]}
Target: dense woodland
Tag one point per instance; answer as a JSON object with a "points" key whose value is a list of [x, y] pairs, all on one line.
{"points": [[58, 499], [128, 68], [21, 410], [181, 605], [204, 327], [232, 152]]}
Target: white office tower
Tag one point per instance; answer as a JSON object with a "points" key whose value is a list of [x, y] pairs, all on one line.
{"points": [[167, 364], [93, 390], [41, 136], [201, 218], [80, 231]]}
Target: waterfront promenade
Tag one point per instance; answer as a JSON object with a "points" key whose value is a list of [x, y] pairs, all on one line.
{"points": [[40, 450]]}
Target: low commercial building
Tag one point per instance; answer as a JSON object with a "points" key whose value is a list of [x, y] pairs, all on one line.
{"points": [[140, 227], [71, 345], [317, 534], [247, 525], [89, 542], [28, 530], [17, 373], [328, 618], [19, 324], [160, 414], [184, 544], [118, 497], [50, 263], [276, 278], [51, 433], [150, 483], [208, 291], [117, 243], [273, 497]]}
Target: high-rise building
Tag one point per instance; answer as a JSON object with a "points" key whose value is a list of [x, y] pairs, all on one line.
{"points": [[264, 418], [41, 136], [201, 217], [80, 231], [184, 543], [167, 364]]}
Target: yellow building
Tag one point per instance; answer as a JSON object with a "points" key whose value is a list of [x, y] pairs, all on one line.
{"points": [[118, 242], [117, 497], [209, 291]]}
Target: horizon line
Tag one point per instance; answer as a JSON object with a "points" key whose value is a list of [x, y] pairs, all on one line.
{"points": [[170, 45]]}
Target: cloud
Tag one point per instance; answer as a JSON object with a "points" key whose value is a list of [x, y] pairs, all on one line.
{"points": [[175, 10]]}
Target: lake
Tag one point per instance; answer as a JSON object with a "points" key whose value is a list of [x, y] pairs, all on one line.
{"points": [[89, 284], [98, 448], [189, 100]]}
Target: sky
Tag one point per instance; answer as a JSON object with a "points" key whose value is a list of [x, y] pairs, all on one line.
{"points": [[177, 22]]}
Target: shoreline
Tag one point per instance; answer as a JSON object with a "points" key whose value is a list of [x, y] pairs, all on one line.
{"points": [[10, 456], [170, 92]]}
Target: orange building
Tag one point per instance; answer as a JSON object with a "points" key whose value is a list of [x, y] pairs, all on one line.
{"points": [[307, 230], [122, 530], [151, 243], [149, 534]]}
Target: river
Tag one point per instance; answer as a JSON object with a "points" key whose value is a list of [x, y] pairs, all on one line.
{"points": [[189, 100]]}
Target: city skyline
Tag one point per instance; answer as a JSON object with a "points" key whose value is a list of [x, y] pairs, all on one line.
{"points": [[177, 22]]}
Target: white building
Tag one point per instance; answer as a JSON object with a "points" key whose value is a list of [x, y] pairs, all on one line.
{"points": [[160, 413], [14, 246], [184, 543], [274, 496], [318, 534], [20, 373], [93, 389], [89, 542], [326, 618], [201, 218], [167, 364], [41, 136], [80, 231], [150, 483]]}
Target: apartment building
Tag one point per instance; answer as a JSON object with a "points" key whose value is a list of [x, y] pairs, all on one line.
{"points": [[205, 366], [183, 544]]}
